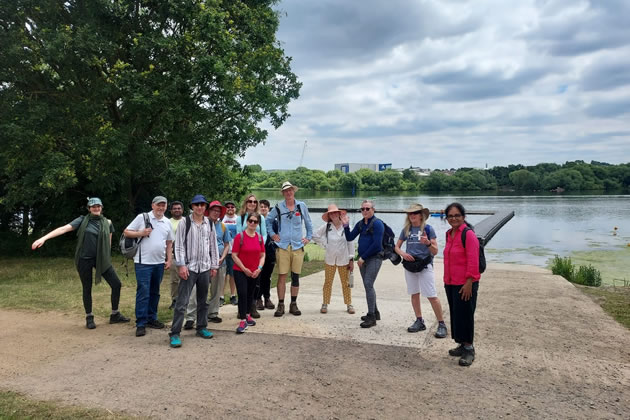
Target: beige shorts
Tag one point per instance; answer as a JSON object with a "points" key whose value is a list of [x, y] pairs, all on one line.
{"points": [[289, 259]]}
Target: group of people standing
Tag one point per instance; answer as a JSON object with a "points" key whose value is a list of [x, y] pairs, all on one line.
{"points": [[213, 247]]}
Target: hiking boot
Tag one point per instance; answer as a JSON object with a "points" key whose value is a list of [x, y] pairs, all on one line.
{"points": [[441, 331], [204, 333], [468, 356], [351, 309], [370, 321], [221, 301], [215, 319], [117, 318], [457, 351], [377, 314], [324, 308], [241, 327], [170, 308], [189, 325], [89, 322], [259, 305], [418, 325], [253, 312], [141, 331], [154, 323], [175, 341], [269, 304], [250, 321], [234, 300], [280, 311], [293, 309]]}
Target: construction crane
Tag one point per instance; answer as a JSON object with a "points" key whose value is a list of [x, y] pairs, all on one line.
{"points": [[302, 157]]}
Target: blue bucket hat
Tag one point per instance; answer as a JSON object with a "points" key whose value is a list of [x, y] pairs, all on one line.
{"points": [[199, 198]]}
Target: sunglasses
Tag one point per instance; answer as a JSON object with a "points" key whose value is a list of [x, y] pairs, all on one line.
{"points": [[366, 208], [254, 221], [198, 204], [230, 207], [453, 216], [252, 201]]}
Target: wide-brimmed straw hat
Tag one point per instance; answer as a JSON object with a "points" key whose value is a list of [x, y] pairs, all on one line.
{"points": [[417, 207], [286, 185], [331, 209]]}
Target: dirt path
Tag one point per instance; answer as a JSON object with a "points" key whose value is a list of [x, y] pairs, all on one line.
{"points": [[544, 350]]}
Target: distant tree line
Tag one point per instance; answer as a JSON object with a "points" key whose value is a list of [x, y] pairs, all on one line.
{"points": [[571, 176]]}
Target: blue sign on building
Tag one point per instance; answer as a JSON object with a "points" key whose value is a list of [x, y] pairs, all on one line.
{"points": [[384, 166], [345, 168]]}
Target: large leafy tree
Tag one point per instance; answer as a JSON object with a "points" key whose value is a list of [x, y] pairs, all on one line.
{"points": [[126, 99]]}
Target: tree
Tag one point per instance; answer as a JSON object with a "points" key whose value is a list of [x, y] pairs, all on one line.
{"points": [[126, 99], [524, 180]]}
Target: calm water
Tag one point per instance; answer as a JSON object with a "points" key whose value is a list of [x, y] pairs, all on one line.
{"points": [[543, 225]]}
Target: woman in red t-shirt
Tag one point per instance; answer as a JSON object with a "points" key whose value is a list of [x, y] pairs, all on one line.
{"points": [[248, 253]]}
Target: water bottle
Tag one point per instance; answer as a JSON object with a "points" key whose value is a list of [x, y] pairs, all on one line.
{"points": [[351, 279]]}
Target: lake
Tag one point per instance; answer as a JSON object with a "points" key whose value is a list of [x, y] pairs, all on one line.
{"points": [[579, 226]]}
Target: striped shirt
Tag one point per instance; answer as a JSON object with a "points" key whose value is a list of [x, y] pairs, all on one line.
{"points": [[203, 252]]}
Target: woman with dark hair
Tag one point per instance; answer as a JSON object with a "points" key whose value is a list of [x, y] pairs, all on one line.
{"points": [[93, 250], [248, 253], [461, 281]]}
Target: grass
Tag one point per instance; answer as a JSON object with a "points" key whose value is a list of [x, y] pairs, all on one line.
{"points": [[614, 300], [16, 406]]}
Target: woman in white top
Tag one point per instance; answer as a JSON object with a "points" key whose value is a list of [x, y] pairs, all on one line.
{"points": [[339, 255]]}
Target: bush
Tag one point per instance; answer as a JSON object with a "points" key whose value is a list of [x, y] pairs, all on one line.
{"points": [[563, 267], [588, 276]]}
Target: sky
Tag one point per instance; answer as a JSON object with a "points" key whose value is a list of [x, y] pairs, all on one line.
{"points": [[453, 83]]}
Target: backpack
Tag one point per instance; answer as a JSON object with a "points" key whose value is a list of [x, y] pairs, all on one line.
{"points": [[279, 218], [388, 242], [482, 254], [129, 246], [241, 241]]}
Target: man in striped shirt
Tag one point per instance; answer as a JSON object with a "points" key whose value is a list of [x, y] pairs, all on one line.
{"points": [[197, 259]]}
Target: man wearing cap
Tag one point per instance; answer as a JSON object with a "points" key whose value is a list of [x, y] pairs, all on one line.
{"points": [[289, 214], [153, 256], [215, 213], [177, 210], [197, 259]]}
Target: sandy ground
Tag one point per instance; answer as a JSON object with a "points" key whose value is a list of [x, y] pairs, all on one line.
{"points": [[544, 350]]}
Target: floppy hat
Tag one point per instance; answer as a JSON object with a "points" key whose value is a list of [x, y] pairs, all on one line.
{"points": [[286, 185], [159, 199], [94, 201], [416, 207], [217, 203], [331, 209], [199, 198]]}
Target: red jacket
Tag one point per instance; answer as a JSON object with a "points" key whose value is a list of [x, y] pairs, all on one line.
{"points": [[461, 263]]}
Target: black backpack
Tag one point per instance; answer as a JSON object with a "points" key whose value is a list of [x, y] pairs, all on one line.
{"points": [[482, 254], [279, 218], [388, 243]]}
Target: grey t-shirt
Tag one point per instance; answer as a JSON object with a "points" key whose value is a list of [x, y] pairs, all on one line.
{"points": [[88, 249], [414, 246]]}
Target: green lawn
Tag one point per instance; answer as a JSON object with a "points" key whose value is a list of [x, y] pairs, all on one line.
{"points": [[614, 300]]}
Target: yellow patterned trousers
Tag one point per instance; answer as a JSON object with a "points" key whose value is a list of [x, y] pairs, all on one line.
{"points": [[329, 273]]}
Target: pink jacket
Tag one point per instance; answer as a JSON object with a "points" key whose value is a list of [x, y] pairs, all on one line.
{"points": [[461, 263]]}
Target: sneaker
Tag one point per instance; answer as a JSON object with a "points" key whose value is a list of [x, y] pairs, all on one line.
{"points": [[234, 300], [468, 356], [241, 327], [154, 323], [259, 305], [293, 309], [204, 333], [215, 319], [417, 326], [377, 313], [89, 322], [250, 321], [370, 321], [280, 311], [269, 304], [221, 301], [351, 309], [253, 312], [324, 308], [189, 325], [170, 308], [141, 332], [175, 341], [117, 318], [457, 351], [441, 331]]}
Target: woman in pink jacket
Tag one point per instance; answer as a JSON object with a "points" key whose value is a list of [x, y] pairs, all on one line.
{"points": [[461, 281]]}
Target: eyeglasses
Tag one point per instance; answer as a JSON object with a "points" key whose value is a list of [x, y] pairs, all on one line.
{"points": [[454, 216], [230, 207], [366, 208], [252, 201], [199, 204], [254, 221]]}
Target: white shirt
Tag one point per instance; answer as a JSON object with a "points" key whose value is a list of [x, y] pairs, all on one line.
{"points": [[152, 248], [339, 251]]}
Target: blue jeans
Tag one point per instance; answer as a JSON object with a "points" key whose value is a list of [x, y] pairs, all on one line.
{"points": [[148, 278]]}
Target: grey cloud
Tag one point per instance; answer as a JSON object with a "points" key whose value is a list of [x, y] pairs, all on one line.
{"points": [[604, 75], [609, 108]]}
